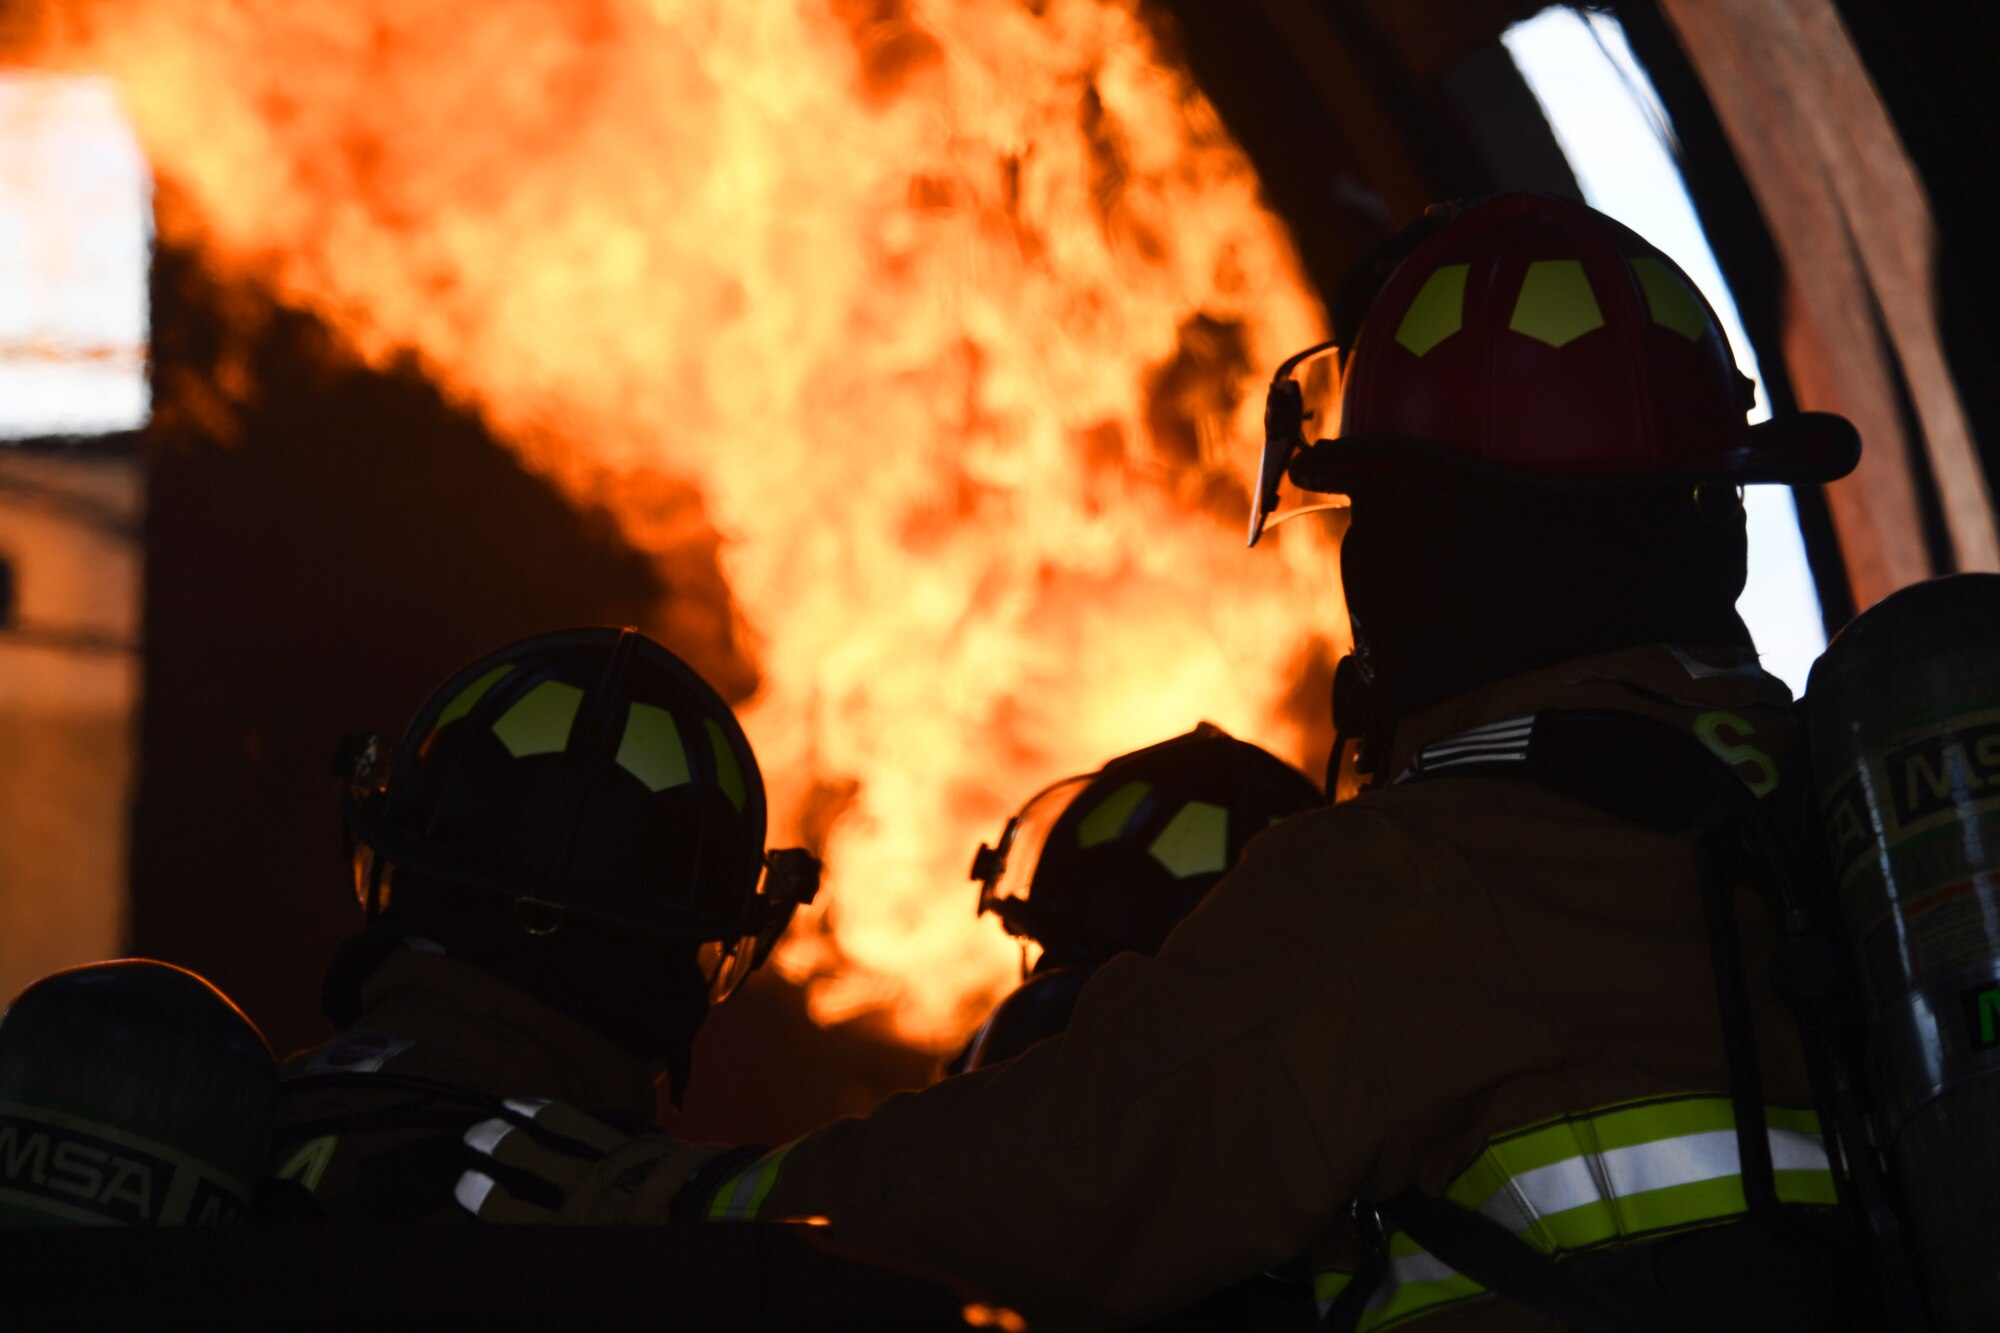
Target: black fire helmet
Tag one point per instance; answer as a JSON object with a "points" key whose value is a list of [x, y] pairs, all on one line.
{"points": [[1109, 862], [587, 783]]}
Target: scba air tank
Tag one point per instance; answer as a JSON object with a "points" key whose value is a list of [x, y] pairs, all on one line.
{"points": [[1905, 720]]}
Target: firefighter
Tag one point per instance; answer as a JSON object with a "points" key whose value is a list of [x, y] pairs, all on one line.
{"points": [[132, 1093], [1109, 862], [1523, 1027], [559, 871]]}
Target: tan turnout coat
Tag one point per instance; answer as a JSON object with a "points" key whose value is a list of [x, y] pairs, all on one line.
{"points": [[1374, 993], [427, 1016]]}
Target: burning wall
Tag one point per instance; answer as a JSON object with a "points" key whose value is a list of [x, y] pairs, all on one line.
{"points": [[953, 315]]}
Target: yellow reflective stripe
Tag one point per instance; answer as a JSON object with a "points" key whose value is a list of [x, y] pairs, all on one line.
{"points": [[1415, 1296], [1618, 1171], [309, 1163], [744, 1193], [1626, 1172], [1623, 1126], [1327, 1286], [1799, 1120], [1418, 1285]]}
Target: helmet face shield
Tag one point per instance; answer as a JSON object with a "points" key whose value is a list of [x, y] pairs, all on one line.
{"points": [[790, 880], [1301, 406], [1011, 866], [725, 964], [1319, 381]]}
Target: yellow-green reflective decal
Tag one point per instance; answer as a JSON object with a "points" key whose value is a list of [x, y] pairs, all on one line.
{"points": [[1328, 1285], [1551, 1184], [309, 1163], [1195, 841], [1556, 305], [743, 1194], [1728, 737], [728, 773], [1107, 821], [463, 701], [1438, 312], [651, 749], [1670, 300], [539, 722]]}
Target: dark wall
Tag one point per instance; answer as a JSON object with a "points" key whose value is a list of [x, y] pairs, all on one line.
{"points": [[1357, 115], [1933, 62], [324, 544]]}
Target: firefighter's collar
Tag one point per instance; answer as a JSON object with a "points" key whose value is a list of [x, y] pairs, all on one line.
{"points": [[1661, 680]]}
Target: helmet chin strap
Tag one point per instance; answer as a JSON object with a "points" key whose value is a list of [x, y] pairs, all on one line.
{"points": [[1353, 722]]}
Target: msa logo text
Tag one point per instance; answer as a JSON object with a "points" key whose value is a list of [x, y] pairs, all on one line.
{"points": [[1941, 771], [70, 1167]]}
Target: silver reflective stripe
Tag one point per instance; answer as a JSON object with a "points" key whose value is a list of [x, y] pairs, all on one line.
{"points": [[1502, 736], [1632, 1176], [1407, 1268], [1513, 727], [743, 1194], [743, 1189], [1418, 1267], [1494, 742], [1483, 757], [1623, 1172], [736, 1202]]}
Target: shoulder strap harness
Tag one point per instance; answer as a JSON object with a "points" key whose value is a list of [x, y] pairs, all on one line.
{"points": [[1647, 772]]}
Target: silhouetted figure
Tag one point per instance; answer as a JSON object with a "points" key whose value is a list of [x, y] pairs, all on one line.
{"points": [[559, 871]]}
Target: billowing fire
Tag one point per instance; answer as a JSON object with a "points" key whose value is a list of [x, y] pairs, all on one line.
{"points": [[955, 312]]}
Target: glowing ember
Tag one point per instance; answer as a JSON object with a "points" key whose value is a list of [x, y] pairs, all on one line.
{"points": [[957, 314]]}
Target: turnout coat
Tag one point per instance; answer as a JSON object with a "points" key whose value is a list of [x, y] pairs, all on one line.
{"points": [[1476, 987], [437, 1045]]}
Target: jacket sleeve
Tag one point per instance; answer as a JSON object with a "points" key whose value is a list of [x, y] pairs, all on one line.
{"points": [[1205, 1116]]}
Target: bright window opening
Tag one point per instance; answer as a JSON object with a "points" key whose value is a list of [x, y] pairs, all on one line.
{"points": [[76, 234], [1619, 143]]}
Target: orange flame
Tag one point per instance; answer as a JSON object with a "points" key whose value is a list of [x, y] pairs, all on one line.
{"points": [[957, 314]]}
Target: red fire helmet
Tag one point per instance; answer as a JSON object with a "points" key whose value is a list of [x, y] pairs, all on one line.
{"points": [[1535, 338]]}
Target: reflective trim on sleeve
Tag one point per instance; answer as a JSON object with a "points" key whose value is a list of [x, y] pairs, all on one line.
{"points": [[744, 1193], [309, 1163], [1328, 1285], [1416, 1285], [1619, 1174]]}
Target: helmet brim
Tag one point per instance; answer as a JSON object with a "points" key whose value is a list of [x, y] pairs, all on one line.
{"points": [[1803, 449]]}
